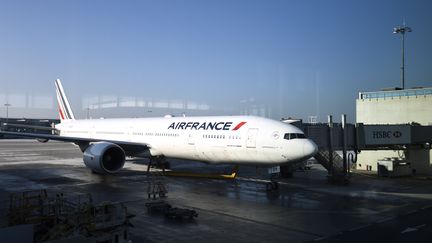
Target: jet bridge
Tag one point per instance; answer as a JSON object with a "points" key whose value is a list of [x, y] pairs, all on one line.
{"points": [[339, 143]]}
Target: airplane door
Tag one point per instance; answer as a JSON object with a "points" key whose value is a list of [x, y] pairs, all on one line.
{"points": [[251, 138], [192, 148]]}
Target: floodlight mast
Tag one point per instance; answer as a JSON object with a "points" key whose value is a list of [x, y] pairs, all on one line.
{"points": [[7, 105], [401, 30]]}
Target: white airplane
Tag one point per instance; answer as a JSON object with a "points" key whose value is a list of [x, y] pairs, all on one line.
{"points": [[237, 140]]}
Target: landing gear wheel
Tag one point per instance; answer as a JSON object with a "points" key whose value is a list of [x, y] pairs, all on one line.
{"points": [[166, 165], [272, 186], [269, 186], [275, 185]]}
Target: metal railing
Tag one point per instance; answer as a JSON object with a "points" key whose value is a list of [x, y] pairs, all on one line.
{"points": [[395, 93]]}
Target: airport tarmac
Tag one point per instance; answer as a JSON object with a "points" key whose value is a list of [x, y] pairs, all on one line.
{"points": [[306, 207]]}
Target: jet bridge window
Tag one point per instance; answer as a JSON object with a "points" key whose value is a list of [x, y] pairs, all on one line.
{"points": [[289, 136]]}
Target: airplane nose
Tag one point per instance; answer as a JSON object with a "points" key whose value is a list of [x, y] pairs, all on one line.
{"points": [[309, 148]]}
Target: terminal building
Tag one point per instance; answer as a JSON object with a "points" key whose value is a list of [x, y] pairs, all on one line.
{"points": [[408, 106]]}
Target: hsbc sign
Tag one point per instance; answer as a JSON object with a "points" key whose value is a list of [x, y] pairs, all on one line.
{"points": [[387, 134]]}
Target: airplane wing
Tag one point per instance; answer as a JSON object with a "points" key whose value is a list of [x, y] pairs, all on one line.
{"points": [[127, 146]]}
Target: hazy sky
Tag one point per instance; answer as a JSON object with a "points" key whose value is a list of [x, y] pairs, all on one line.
{"points": [[271, 58]]}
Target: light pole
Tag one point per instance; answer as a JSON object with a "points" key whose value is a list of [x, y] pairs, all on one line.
{"points": [[401, 30], [7, 111]]}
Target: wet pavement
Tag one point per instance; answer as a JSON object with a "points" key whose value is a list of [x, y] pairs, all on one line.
{"points": [[306, 207]]}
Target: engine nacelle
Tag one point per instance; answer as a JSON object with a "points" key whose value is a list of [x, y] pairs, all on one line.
{"points": [[103, 157]]}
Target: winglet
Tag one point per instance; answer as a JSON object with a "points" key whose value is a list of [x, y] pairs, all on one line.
{"points": [[65, 112]]}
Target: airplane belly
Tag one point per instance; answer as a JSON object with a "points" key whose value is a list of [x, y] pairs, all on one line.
{"points": [[219, 154], [181, 151]]}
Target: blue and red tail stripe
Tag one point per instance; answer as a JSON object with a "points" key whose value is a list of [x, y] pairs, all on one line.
{"points": [[65, 111]]}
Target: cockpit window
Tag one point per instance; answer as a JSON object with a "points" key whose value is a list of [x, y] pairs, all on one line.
{"points": [[289, 136]]}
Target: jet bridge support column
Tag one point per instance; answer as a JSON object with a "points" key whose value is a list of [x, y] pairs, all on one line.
{"points": [[336, 173], [346, 158], [344, 145], [330, 142]]}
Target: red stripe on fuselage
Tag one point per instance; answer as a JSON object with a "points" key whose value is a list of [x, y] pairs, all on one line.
{"points": [[238, 126]]}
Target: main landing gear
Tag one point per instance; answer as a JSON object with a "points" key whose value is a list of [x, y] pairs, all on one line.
{"points": [[269, 180], [159, 161], [272, 186]]}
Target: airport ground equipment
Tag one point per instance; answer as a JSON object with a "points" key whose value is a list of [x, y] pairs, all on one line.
{"points": [[230, 175], [393, 167], [69, 218], [157, 188], [156, 184], [170, 212], [162, 164], [157, 207], [180, 213]]}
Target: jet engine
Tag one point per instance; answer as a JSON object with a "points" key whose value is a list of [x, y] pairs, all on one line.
{"points": [[104, 157]]}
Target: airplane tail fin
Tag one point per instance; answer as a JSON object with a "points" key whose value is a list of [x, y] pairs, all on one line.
{"points": [[65, 112]]}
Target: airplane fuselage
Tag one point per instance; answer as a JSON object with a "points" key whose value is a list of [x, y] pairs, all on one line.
{"points": [[212, 139]]}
